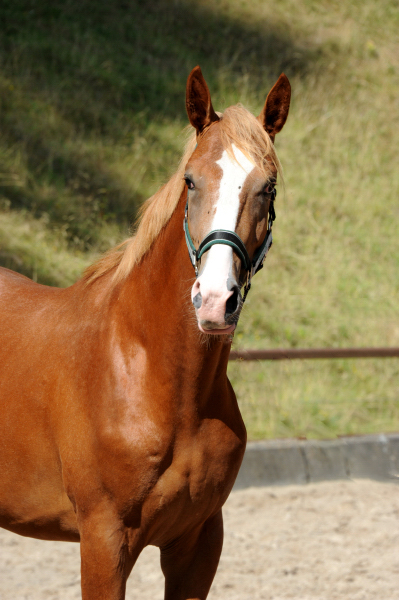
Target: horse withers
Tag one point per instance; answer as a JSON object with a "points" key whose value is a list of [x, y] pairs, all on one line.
{"points": [[118, 425]]}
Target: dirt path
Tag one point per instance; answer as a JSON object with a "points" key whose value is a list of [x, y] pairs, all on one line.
{"points": [[326, 541]]}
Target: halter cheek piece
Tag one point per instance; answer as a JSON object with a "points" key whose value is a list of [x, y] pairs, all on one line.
{"points": [[230, 238]]}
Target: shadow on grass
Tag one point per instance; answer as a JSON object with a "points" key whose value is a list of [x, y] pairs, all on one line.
{"points": [[80, 77]]}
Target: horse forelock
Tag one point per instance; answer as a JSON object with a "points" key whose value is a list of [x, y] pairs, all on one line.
{"points": [[239, 128]]}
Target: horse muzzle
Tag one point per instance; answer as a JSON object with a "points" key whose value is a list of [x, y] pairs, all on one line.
{"points": [[217, 308]]}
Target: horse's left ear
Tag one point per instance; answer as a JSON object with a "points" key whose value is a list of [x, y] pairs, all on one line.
{"points": [[277, 105], [198, 101]]}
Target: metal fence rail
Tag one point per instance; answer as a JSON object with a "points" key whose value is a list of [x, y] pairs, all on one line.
{"points": [[294, 353]]}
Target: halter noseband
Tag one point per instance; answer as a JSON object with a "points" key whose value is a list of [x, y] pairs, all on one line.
{"points": [[230, 238]]}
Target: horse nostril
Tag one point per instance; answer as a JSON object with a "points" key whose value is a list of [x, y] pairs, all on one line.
{"points": [[233, 302], [197, 301]]}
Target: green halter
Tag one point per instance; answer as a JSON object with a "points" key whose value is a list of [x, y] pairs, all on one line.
{"points": [[230, 238]]}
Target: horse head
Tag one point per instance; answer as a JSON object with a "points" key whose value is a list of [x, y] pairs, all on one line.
{"points": [[230, 179]]}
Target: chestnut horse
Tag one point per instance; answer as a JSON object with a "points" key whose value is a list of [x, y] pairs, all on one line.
{"points": [[118, 425]]}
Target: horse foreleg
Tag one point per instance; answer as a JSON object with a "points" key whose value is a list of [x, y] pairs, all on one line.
{"points": [[105, 559], [190, 564]]}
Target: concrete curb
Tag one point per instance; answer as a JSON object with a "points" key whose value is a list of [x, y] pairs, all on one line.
{"points": [[282, 462]]}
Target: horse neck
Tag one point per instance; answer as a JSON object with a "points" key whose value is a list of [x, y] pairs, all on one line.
{"points": [[156, 300]]}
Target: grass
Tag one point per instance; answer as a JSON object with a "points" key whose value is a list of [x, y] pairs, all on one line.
{"points": [[288, 398], [29, 247], [91, 110]]}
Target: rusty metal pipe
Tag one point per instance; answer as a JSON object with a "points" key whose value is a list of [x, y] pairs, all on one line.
{"points": [[295, 353]]}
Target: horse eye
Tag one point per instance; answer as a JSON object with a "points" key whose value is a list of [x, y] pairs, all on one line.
{"points": [[189, 183]]}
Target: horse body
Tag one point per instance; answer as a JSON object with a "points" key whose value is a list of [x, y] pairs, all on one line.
{"points": [[119, 427], [141, 419]]}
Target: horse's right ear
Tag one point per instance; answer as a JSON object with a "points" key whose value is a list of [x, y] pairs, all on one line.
{"points": [[198, 102]]}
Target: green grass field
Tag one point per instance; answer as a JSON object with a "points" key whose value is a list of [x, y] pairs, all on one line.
{"points": [[91, 120]]}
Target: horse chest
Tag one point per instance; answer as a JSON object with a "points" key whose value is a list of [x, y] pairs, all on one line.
{"points": [[195, 485]]}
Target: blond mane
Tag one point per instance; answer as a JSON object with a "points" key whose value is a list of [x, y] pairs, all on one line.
{"points": [[237, 126]]}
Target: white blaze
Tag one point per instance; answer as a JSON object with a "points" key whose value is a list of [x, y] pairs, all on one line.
{"points": [[212, 282], [220, 256]]}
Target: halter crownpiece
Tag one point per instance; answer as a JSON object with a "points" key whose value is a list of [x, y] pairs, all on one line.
{"points": [[232, 239]]}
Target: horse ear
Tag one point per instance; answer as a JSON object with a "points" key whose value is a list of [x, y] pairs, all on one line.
{"points": [[275, 111], [198, 101]]}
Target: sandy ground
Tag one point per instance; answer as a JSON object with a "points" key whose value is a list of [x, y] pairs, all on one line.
{"points": [[326, 541]]}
